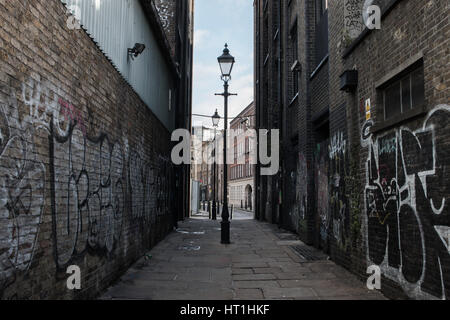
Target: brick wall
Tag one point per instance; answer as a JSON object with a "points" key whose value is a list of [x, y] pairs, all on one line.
{"points": [[167, 15], [363, 192], [294, 201], [83, 163], [401, 220]]}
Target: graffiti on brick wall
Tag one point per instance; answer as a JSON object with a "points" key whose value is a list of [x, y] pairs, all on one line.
{"points": [[353, 20], [166, 12], [88, 190], [338, 199], [22, 186], [149, 187], [73, 114], [338, 145], [87, 182], [407, 225], [52, 159], [301, 187], [322, 195]]}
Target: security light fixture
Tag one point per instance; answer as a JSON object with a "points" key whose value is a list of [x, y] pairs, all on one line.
{"points": [[136, 50]]}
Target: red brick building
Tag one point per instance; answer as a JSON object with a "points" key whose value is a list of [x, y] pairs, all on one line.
{"points": [[241, 173]]}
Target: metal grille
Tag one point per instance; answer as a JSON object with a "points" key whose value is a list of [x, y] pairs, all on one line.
{"points": [[309, 253]]}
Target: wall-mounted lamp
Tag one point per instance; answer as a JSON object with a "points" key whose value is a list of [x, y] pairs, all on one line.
{"points": [[136, 50], [349, 80]]}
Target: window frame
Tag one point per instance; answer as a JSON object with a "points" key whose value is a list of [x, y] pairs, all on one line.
{"points": [[402, 73], [293, 38]]}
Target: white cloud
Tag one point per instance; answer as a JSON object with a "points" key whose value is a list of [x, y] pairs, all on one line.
{"points": [[200, 36], [204, 73], [210, 36], [242, 85]]}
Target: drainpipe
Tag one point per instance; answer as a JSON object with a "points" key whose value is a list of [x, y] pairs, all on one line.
{"points": [[309, 179], [281, 115]]}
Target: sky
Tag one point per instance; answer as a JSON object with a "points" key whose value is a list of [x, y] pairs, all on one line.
{"points": [[217, 22]]}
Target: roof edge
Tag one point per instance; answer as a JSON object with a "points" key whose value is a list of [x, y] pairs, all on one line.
{"points": [[155, 22]]}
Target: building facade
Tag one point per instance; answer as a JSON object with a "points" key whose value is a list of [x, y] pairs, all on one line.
{"points": [[85, 149], [177, 21], [362, 113], [241, 172], [203, 157]]}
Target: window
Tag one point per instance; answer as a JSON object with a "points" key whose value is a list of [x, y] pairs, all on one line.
{"points": [[294, 54], [321, 7], [321, 31], [266, 38], [404, 94], [170, 99], [236, 152], [294, 42]]}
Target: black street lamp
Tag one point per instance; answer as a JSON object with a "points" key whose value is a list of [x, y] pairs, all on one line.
{"points": [[215, 121], [226, 62]]}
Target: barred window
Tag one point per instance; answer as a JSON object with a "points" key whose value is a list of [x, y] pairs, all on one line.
{"points": [[404, 94]]}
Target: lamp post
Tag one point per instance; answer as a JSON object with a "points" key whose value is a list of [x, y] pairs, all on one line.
{"points": [[226, 62], [215, 121]]}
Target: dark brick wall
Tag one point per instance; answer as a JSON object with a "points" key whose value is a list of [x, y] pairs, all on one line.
{"points": [[399, 219], [167, 11], [293, 109], [85, 166], [387, 191]]}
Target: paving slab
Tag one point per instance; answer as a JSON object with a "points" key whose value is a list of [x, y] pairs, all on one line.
{"points": [[236, 271], [261, 276], [271, 293], [248, 294], [255, 284], [192, 264]]}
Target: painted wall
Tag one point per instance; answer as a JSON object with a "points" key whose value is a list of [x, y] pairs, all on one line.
{"points": [[407, 226], [85, 168], [397, 181], [116, 26], [365, 198]]}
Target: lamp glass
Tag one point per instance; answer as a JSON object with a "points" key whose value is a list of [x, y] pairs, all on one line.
{"points": [[215, 119], [226, 67], [226, 62]]}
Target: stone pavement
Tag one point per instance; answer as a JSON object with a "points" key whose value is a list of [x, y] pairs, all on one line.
{"points": [[191, 264]]}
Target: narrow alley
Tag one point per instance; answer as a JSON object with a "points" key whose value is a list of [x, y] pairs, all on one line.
{"points": [[261, 263], [225, 150]]}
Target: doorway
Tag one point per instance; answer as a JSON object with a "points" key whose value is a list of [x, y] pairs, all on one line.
{"points": [[321, 178]]}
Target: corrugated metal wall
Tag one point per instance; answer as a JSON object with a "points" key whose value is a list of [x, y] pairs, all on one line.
{"points": [[116, 25]]}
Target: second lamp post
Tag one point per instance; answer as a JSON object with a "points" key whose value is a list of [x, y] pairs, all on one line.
{"points": [[226, 62], [215, 120]]}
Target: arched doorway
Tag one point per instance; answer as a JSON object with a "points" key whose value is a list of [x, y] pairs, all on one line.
{"points": [[248, 197]]}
